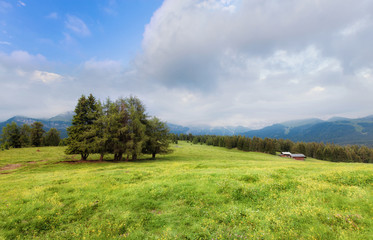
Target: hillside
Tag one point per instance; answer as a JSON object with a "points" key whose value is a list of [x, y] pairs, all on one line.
{"points": [[60, 125], [197, 192], [337, 130]]}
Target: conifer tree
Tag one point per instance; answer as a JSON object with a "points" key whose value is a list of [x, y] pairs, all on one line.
{"points": [[11, 136], [120, 129], [136, 127], [25, 138], [81, 138], [247, 144], [52, 137], [158, 137], [37, 134]]}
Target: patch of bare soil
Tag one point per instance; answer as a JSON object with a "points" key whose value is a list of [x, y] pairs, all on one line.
{"points": [[10, 167]]}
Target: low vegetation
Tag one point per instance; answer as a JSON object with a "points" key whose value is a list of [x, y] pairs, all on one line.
{"points": [[197, 192]]}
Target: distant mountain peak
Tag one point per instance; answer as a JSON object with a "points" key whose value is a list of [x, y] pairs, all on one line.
{"points": [[63, 117]]}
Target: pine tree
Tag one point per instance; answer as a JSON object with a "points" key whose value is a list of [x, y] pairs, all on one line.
{"points": [[37, 134], [120, 129], [158, 137], [328, 153], [81, 134], [136, 127], [247, 145]]}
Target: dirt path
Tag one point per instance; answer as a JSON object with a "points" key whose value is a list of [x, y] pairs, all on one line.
{"points": [[10, 167], [17, 165]]}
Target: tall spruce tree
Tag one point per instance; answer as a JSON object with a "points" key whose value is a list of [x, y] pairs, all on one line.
{"points": [[100, 128], [158, 137], [81, 135], [37, 134], [119, 130], [136, 127]]}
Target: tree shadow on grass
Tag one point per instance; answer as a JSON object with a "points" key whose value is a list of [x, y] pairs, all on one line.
{"points": [[141, 160]]}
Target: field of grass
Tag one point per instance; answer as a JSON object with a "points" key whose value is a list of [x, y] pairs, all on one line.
{"points": [[197, 192]]}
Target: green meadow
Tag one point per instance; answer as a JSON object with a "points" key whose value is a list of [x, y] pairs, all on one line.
{"points": [[196, 192]]}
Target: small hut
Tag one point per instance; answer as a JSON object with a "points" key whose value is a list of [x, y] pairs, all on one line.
{"points": [[295, 156], [285, 154], [298, 156]]}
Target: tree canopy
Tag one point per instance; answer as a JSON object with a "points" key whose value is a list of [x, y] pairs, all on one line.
{"points": [[119, 127]]}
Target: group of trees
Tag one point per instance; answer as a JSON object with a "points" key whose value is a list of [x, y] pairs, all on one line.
{"points": [[28, 135], [118, 127], [329, 152]]}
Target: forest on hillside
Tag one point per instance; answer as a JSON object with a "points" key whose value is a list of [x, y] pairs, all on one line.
{"points": [[328, 152]]}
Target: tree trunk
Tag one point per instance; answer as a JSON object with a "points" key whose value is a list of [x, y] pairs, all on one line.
{"points": [[84, 156], [120, 157], [134, 157], [153, 155], [102, 157]]}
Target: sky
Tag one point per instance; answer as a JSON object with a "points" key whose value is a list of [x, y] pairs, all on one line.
{"points": [[212, 62]]}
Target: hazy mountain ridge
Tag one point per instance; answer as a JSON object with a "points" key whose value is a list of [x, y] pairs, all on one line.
{"points": [[64, 117], [48, 124], [207, 130], [62, 121], [335, 130]]}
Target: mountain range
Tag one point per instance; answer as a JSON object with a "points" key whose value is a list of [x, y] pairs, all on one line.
{"points": [[62, 121], [336, 130]]}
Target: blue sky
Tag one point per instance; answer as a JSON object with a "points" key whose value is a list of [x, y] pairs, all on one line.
{"points": [[215, 62], [72, 31]]}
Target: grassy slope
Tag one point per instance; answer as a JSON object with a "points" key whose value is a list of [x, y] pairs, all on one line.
{"points": [[196, 192]]}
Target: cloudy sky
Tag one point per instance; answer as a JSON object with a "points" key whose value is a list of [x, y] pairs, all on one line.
{"points": [[216, 62]]}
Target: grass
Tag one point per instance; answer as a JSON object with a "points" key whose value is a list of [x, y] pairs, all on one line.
{"points": [[197, 192]]}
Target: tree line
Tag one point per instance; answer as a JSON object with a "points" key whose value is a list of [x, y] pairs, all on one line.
{"points": [[120, 127], [328, 152], [28, 136]]}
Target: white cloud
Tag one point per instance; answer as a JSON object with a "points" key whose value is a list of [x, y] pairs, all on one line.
{"points": [[224, 62], [22, 59], [77, 25], [316, 90], [20, 95], [21, 4], [261, 62], [222, 5], [45, 77]]}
